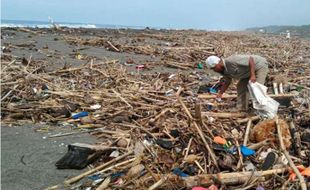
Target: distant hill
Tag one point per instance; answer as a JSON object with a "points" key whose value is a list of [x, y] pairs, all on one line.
{"points": [[297, 31]]}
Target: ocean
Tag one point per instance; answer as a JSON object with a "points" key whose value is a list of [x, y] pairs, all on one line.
{"points": [[46, 24]]}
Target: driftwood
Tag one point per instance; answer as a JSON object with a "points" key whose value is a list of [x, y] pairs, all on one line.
{"points": [[291, 163], [213, 156], [224, 178], [295, 138], [223, 114], [247, 132], [141, 105], [112, 46]]}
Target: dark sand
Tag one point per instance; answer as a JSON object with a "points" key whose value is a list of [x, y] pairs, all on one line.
{"points": [[28, 158]]}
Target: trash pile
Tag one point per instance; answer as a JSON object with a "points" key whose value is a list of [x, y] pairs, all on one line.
{"points": [[155, 131]]}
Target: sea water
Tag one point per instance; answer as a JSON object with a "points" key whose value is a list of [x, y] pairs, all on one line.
{"points": [[46, 24]]}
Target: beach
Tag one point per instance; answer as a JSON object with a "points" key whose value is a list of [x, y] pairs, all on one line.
{"points": [[28, 156]]}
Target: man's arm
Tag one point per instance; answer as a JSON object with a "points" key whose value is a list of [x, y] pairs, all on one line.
{"points": [[224, 87], [252, 69]]}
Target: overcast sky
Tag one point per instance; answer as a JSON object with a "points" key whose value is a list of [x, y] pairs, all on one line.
{"points": [[199, 14]]}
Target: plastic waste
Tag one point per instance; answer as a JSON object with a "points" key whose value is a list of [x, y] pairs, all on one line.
{"points": [[246, 151], [266, 106], [218, 99], [190, 169], [117, 175], [260, 188], [94, 177], [114, 154], [200, 66], [213, 90], [164, 144], [209, 106], [219, 140], [95, 107], [179, 172], [249, 166], [79, 115], [269, 161], [175, 133], [140, 67], [76, 158], [303, 171]]}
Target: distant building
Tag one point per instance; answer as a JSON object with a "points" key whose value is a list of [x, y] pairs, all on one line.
{"points": [[262, 30], [288, 34]]}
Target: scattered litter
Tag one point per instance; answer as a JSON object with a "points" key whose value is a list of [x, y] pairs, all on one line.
{"points": [[246, 151], [79, 115], [155, 129]]}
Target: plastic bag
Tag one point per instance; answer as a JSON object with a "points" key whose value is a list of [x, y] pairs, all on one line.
{"points": [[266, 106]]}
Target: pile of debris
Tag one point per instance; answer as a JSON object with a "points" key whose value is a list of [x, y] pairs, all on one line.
{"points": [[155, 130]]}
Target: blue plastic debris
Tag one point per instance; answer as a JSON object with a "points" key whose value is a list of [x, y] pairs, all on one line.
{"points": [[246, 151], [232, 150], [117, 175], [213, 90], [79, 115], [179, 172], [94, 177]]}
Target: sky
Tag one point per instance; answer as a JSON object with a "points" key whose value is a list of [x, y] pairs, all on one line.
{"points": [[196, 14]]}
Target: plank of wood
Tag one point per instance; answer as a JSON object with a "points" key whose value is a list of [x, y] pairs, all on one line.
{"points": [[224, 114]]}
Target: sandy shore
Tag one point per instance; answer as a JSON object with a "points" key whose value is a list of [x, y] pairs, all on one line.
{"points": [[28, 159]]}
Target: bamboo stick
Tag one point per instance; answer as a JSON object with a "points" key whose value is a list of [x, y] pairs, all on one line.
{"points": [[213, 156]]}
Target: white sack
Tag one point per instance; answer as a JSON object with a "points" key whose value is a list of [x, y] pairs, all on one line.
{"points": [[266, 106]]}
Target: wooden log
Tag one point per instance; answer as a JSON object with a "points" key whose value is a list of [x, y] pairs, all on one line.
{"points": [[233, 178], [223, 114]]}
